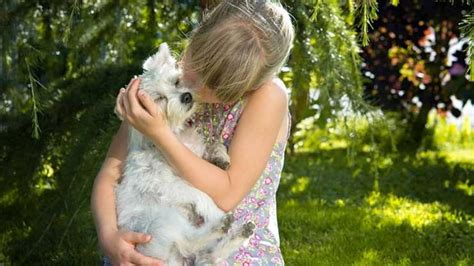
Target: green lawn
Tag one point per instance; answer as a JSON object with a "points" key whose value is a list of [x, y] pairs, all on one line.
{"points": [[417, 210]]}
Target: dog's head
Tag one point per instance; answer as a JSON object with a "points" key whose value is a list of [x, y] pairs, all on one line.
{"points": [[162, 80]]}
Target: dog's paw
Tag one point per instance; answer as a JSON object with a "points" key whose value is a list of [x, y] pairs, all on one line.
{"points": [[227, 222], [205, 259], [221, 163], [216, 153], [248, 229]]}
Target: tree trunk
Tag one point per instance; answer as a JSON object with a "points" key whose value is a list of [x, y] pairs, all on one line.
{"points": [[152, 25], [419, 125]]}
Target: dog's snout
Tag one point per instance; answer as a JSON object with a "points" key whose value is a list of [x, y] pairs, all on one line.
{"points": [[186, 97]]}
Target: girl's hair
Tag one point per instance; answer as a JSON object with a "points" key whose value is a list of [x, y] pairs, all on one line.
{"points": [[239, 45]]}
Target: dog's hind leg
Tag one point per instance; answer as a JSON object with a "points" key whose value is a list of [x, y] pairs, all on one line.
{"points": [[175, 258], [209, 234], [226, 246]]}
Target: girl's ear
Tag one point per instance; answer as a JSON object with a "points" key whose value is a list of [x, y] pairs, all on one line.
{"points": [[163, 56]]}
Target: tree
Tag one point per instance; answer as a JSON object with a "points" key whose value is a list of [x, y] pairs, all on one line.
{"points": [[414, 66]]}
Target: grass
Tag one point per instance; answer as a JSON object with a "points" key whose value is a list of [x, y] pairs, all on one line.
{"points": [[418, 211]]}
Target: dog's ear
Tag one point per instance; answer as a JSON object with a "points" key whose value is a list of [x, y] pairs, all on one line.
{"points": [[163, 56]]}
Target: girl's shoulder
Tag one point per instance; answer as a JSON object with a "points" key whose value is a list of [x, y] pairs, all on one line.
{"points": [[272, 90]]}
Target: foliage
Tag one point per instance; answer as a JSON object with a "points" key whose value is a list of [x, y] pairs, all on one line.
{"points": [[467, 29], [422, 69], [324, 64], [366, 10]]}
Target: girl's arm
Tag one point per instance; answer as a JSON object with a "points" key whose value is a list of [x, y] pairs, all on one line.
{"points": [[118, 245], [249, 150]]}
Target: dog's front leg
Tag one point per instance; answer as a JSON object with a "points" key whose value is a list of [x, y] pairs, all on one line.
{"points": [[216, 153]]}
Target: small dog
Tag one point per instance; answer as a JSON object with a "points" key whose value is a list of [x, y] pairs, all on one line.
{"points": [[187, 227]]}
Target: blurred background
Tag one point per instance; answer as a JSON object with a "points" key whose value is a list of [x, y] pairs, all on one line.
{"points": [[379, 169]]}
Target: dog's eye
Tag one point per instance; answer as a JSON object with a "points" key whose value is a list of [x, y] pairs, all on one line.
{"points": [[176, 83]]}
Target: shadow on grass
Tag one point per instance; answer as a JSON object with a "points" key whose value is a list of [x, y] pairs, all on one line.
{"points": [[327, 175]]}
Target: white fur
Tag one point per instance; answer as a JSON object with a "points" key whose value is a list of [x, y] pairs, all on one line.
{"points": [[151, 197]]}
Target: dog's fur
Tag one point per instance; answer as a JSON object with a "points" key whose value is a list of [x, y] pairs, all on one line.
{"points": [[186, 225]]}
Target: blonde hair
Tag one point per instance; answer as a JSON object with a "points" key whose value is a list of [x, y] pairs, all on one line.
{"points": [[239, 45]]}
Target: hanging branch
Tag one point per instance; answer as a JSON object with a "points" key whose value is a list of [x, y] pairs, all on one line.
{"points": [[67, 32], [336, 49], [467, 29], [36, 107], [366, 12]]}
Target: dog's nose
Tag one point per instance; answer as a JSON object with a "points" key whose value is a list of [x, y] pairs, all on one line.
{"points": [[186, 97]]}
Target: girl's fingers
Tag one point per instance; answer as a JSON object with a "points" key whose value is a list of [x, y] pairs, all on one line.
{"points": [[132, 89], [126, 104], [147, 102], [118, 105], [122, 103], [134, 237], [131, 81], [126, 96]]}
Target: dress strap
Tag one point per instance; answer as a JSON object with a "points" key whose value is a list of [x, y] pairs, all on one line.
{"points": [[289, 126]]}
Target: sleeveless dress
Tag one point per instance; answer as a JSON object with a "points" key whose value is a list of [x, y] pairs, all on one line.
{"points": [[259, 206]]}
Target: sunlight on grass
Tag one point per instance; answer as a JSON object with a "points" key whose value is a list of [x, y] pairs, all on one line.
{"points": [[385, 230], [340, 202], [393, 210], [463, 262], [301, 185], [447, 136], [368, 257], [458, 156], [453, 157], [465, 187]]}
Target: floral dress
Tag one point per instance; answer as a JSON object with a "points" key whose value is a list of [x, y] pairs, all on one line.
{"points": [[259, 206]]}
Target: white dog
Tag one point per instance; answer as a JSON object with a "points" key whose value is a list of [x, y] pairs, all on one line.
{"points": [[186, 225]]}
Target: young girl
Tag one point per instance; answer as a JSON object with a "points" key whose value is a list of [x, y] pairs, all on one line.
{"points": [[231, 61]]}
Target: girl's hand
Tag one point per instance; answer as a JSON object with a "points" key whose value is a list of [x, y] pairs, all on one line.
{"points": [[139, 110], [119, 247]]}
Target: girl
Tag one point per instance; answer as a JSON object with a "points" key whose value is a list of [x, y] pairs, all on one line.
{"points": [[231, 61]]}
